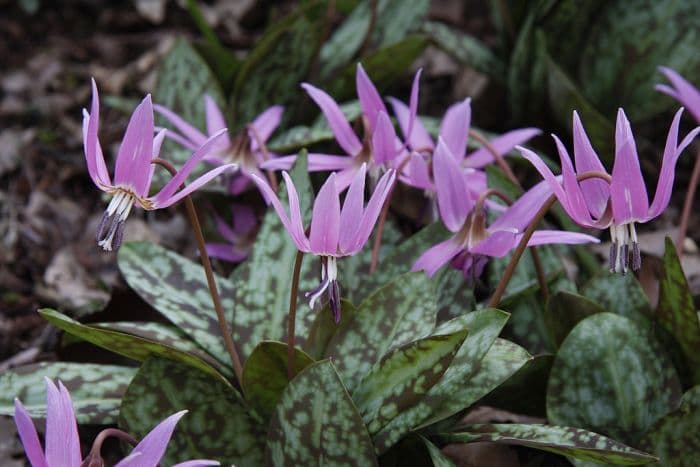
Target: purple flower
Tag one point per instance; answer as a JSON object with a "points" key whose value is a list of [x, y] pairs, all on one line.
{"points": [[237, 236], [63, 443], [134, 169], [473, 242], [454, 130], [334, 232], [244, 150], [379, 148], [682, 91], [622, 203]]}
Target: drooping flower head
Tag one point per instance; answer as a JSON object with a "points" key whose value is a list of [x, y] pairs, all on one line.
{"points": [[134, 169], [473, 241], [623, 202], [378, 148], [246, 149], [63, 443], [334, 232]]}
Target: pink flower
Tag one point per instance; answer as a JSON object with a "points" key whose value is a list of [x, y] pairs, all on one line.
{"points": [[243, 150], [473, 242], [237, 236], [63, 443], [682, 91], [334, 232], [622, 203], [134, 169]]}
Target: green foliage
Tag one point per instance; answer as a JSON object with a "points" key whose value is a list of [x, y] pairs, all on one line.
{"points": [[564, 310], [611, 376], [218, 424], [316, 423], [96, 390], [621, 294]]}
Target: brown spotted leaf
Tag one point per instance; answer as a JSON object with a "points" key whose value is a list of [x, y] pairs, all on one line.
{"points": [[621, 294], [564, 310], [324, 328], [676, 310], [611, 376], [131, 346], [96, 390], [316, 423], [564, 440], [218, 424], [400, 312], [436, 455], [403, 377], [265, 375]]}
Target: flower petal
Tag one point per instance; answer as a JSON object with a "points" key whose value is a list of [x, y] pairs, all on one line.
{"points": [[672, 152], [353, 207], [548, 176], [30, 439], [682, 90], [497, 244], [502, 145], [627, 189], [196, 137], [578, 206], [435, 257], [162, 202], [384, 140], [325, 220], [595, 191], [266, 123], [91, 143], [417, 173], [370, 100], [197, 463], [215, 119], [372, 211], [561, 237], [347, 139], [452, 194], [62, 441], [136, 150], [519, 215], [152, 447], [225, 252], [454, 129], [329, 162]]}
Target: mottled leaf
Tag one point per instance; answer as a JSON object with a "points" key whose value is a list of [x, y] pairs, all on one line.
{"points": [[262, 284], [316, 423], [438, 458], [183, 79], [564, 310], [324, 328], [461, 384], [674, 439], [131, 346], [217, 426], [96, 390], [265, 375], [611, 376], [621, 294], [564, 440], [618, 65], [527, 70], [398, 313], [676, 309], [177, 288], [453, 295], [464, 48], [403, 377]]}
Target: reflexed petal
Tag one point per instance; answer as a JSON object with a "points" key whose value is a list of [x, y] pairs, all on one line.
{"points": [[372, 211], [179, 139], [325, 220], [370, 100], [578, 206], [682, 90], [215, 119], [627, 189], [244, 219], [196, 184], [225, 252], [265, 124], [417, 173], [502, 145], [30, 439], [672, 152], [546, 237], [435, 257], [91, 143], [196, 137], [383, 140], [596, 192], [329, 162], [62, 442], [496, 245], [344, 178], [152, 447], [295, 213], [414, 123], [452, 194], [454, 129], [279, 163], [519, 215], [548, 176], [352, 211], [197, 463], [174, 183], [347, 139], [136, 150]]}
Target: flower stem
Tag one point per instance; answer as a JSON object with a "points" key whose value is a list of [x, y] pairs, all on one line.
{"points": [[518, 253], [211, 282], [688, 206], [94, 457], [292, 315]]}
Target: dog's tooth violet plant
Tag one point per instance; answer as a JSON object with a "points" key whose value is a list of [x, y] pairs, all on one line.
{"points": [[622, 203], [134, 168]]}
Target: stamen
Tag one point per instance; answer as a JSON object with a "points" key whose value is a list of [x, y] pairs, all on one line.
{"points": [[625, 260], [334, 300], [613, 256], [111, 228], [636, 257]]}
